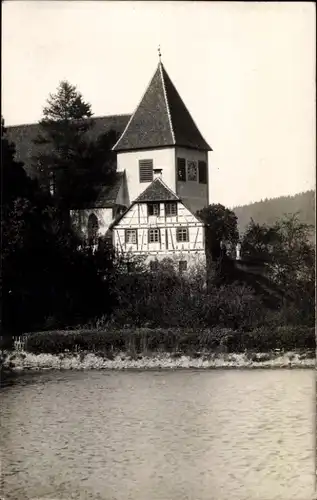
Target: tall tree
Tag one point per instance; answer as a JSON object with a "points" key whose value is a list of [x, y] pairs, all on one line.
{"points": [[221, 226], [67, 118]]}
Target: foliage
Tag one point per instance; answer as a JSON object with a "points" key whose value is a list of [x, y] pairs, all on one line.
{"points": [[42, 271], [111, 341], [268, 211], [221, 225], [289, 258]]}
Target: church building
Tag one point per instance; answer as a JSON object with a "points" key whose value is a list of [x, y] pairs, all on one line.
{"points": [[165, 159], [161, 181]]}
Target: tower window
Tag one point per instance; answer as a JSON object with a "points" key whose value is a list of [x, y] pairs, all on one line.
{"points": [[130, 236], [202, 172], [191, 170], [181, 169], [146, 170], [153, 209], [154, 235], [170, 209], [182, 234]]}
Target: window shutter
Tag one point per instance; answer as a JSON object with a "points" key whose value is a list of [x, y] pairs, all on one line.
{"points": [[146, 170], [181, 169], [202, 172]]}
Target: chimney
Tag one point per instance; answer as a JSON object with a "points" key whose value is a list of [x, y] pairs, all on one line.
{"points": [[157, 173]]}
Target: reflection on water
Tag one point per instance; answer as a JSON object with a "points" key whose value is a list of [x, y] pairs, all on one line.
{"points": [[196, 435]]}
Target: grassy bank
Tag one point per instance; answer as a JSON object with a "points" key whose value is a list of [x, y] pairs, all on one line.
{"points": [[163, 348], [20, 361]]}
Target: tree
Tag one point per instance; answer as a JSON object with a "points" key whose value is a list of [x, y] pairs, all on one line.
{"points": [[221, 225], [43, 274], [288, 256], [258, 242], [67, 118]]}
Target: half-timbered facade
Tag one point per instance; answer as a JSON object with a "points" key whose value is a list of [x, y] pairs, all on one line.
{"points": [[158, 226]]}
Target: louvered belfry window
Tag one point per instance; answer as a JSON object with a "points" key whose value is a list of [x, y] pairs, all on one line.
{"points": [[146, 170], [202, 172], [181, 169]]}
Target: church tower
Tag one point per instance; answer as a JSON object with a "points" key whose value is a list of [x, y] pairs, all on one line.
{"points": [[161, 138]]}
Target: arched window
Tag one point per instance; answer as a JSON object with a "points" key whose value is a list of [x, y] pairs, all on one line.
{"points": [[93, 228]]}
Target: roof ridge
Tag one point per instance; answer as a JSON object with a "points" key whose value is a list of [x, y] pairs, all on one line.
{"points": [[132, 116], [186, 108], [167, 103], [36, 124]]}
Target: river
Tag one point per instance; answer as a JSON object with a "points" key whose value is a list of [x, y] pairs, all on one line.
{"points": [[159, 435]]}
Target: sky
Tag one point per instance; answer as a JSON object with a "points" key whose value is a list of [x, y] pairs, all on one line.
{"points": [[246, 72]]}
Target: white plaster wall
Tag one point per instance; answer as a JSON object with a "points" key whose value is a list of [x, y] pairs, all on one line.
{"points": [[194, 194], [163, 158]]}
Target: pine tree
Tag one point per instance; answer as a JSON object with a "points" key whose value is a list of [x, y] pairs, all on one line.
{"points": [[67, 118]]}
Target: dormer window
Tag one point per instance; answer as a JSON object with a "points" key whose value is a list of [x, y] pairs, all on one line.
{"points": [[146, 170], [153, 209]]}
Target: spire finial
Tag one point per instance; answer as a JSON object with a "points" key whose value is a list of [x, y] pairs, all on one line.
{"points": [[159, 52]]}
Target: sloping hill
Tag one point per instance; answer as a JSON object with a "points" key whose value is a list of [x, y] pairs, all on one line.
{"points": [[268, 210]]}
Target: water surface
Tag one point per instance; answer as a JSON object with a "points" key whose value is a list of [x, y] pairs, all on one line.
{"points": [[166, 435]]}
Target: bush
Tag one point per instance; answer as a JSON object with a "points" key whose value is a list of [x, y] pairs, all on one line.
{"points": [[136, 341]]}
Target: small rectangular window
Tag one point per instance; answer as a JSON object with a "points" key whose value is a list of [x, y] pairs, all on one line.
{"points": [[181, 169], [146, 170], [130, 236], [154, 265], [170, 209], [154, 235], [191, 170], [182, 234], [153, 209], [182, 265], [202, 172], [166, 238]]}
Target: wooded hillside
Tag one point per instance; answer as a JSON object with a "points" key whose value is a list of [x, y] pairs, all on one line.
{"points": [[268, 210]]}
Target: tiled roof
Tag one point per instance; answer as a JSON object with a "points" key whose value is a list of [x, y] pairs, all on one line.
{"points": [[24, 135], [157, 191], [161, 119], [106, 196]]}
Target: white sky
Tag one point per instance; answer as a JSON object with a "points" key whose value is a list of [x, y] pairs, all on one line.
{"points": [[246, 72]]}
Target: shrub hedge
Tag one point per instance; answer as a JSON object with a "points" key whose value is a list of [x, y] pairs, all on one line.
{"points": [[171, 340]]}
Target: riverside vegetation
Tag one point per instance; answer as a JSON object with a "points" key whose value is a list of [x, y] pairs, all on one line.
{"points": [[52, 281]]}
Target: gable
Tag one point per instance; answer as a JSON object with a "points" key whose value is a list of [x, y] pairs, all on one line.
{"points": [[157, 191]]}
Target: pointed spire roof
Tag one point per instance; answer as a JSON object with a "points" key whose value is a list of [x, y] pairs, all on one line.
{"points": [[157, 191], [161, 119]]}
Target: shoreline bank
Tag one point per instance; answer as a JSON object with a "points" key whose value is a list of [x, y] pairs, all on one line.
{"points": [[24, 361]]}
